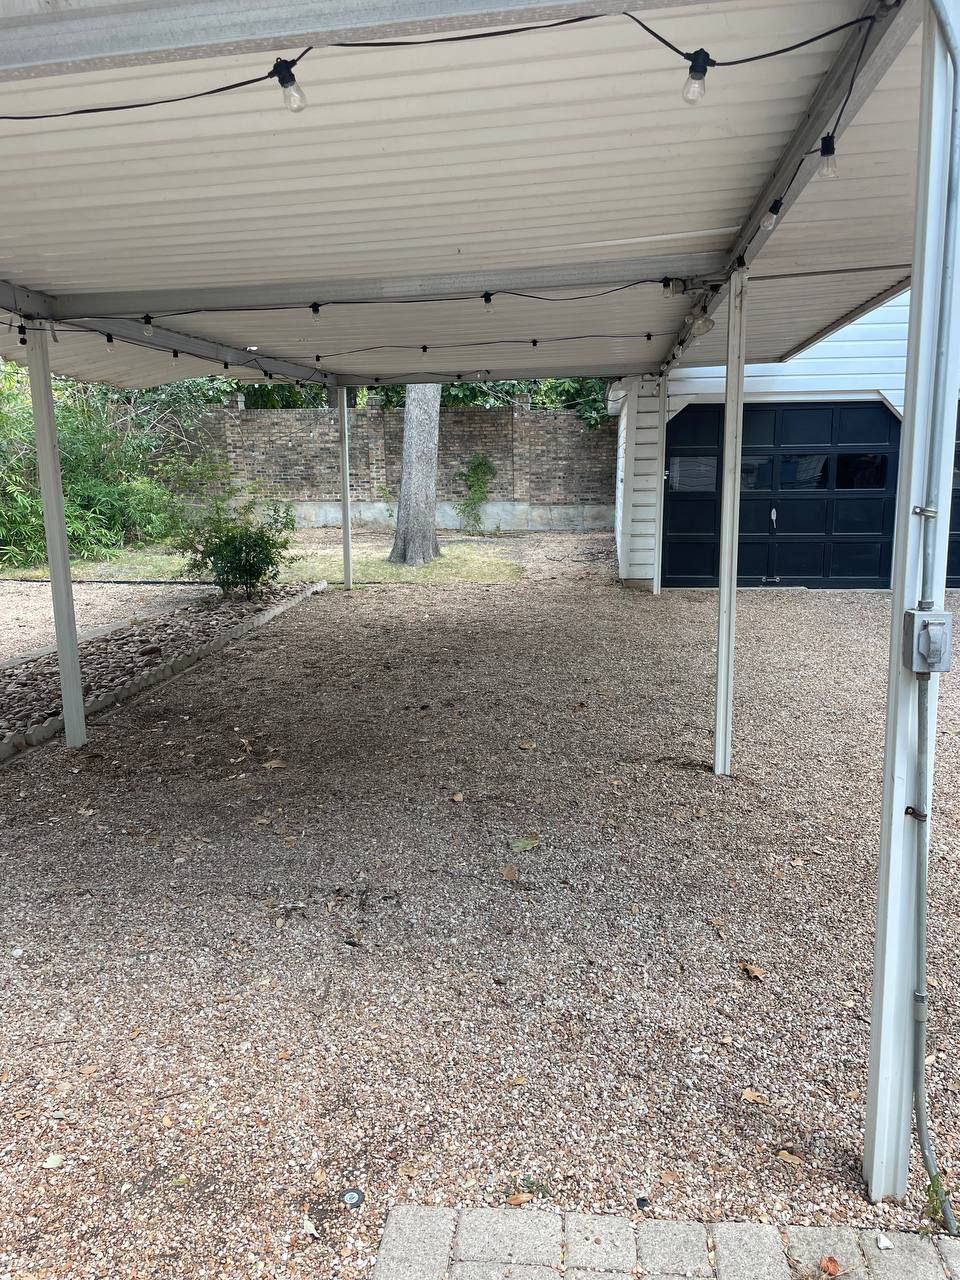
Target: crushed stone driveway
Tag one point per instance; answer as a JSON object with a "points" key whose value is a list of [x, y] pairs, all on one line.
{"points": [[430, 895]]}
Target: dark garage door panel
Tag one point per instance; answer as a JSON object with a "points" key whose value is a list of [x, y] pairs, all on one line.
{"points": [[818, 501]]}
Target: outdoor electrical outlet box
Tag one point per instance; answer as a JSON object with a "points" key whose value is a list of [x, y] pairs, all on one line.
{"points": [[927, 640]]}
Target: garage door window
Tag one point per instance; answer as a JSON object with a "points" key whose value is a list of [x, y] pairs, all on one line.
{"points": [[862, 471], [804, 471], [693, 475], [756, 473]]}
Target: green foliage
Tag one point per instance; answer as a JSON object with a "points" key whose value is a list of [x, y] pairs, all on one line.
{"points": [[476, 478], [235, 546], [283, 395], [586, 395], [122, 457]]}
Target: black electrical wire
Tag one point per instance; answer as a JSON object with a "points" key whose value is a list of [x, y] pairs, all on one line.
{"points": [[853, 77], [454, 39], [158, 102]]}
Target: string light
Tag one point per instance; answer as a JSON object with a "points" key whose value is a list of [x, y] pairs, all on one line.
{"points": [[827, 168], [487, 302], [109, 338], [696, 85], [294, 99], [175, 353], [22, 334], [148, 326], [315, 308], [769, 219]]}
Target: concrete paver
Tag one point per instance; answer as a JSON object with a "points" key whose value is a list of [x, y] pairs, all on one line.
{"points": [[749, 1251], [808, 1245], [673, 1248], [950, 1252], [602, 1243], [509, 1235], [911, 1258]]}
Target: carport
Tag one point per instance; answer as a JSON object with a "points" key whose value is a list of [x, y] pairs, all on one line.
{"points": [[502, 192]]}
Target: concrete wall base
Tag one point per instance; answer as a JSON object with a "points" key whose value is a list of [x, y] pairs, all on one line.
{"points": [[508, 516]]}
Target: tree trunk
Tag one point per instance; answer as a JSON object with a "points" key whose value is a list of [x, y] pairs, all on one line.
{"points": [[416, 539]]}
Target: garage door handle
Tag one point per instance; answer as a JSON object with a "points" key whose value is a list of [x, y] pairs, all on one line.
{"points": [[773, 516]]}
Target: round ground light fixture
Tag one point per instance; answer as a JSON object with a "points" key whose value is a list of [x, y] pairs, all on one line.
{"points": [[353, 1197]]}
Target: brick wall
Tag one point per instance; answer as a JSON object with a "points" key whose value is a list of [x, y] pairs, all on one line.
{"points": [[540, 457]]}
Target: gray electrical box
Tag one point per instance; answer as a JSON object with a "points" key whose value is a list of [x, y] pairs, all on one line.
{"points": [[927, 640]]}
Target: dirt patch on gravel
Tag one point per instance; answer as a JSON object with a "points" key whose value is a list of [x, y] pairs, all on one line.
{"points": [[26, 610], [271, 936]]}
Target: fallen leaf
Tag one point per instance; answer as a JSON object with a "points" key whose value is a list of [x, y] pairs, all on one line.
{"points": [[88, 1070], [308, 1226], [751, 1095], [797, 862], [753, 971], [457, 797], [283, 1055], [167, 1122], [519, 1198], [523, 843], [727, 1039], [932, 982], [137, 1031], [527, 746], [715, 921], [510, 872], [668, 1176], [788, 1157], [829, 1267], [517, 1080], [320, 1175], [634, 909], [53, 1162], [275, 764]]}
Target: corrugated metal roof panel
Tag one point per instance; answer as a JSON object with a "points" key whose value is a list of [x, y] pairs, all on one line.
{"points": [[556, 148]]}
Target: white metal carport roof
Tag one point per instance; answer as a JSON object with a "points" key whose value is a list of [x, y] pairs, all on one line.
{"points": [[560, 161]]}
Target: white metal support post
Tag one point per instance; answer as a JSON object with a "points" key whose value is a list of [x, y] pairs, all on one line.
{"points": [[890, 1087], [661, 482], [55, 527], [345, 489], [730, 524]]}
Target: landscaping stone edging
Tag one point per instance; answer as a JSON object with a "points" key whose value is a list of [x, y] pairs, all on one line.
{"points": [[53, 725]]}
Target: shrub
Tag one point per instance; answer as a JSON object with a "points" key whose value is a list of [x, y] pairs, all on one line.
{"points": [[477, 476], [235, 547]]}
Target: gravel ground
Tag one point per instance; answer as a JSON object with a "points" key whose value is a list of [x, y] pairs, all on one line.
{"points": [[30, 692], [26, 610], [271, 936]]}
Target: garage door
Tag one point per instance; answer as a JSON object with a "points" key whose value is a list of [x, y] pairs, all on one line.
{"points": [[818, 495]]}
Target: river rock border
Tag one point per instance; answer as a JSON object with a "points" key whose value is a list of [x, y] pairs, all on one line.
{"points": [[14, 743]]}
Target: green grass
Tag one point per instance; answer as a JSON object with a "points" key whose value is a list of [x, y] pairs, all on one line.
{"points": [[480, 561]]}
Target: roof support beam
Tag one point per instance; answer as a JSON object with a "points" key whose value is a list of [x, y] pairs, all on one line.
{"points": [[585, 276], [19, 301], [95, 34], [204, 349], [871, 304], [889, 34]]}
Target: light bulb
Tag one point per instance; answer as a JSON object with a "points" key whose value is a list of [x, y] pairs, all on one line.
{"points": [[827, 167], [702, 324], [696, 85], [694, 89], [147, 327], [109, 337], [315, 308], [294, 99], [487, 303], [769, 219]]}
